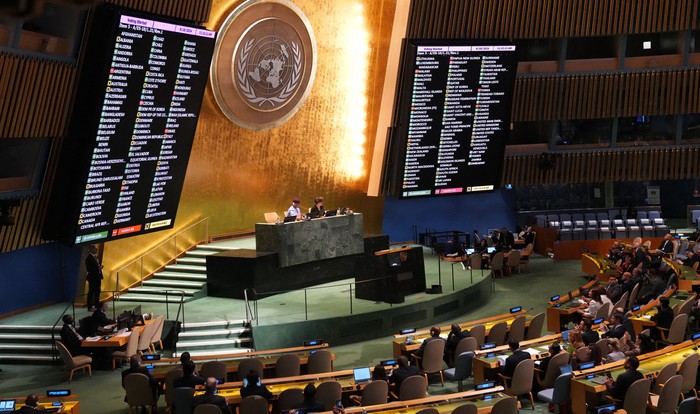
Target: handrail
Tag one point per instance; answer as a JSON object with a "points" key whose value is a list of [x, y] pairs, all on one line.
{"points": [[249, 315], [158, 246]]}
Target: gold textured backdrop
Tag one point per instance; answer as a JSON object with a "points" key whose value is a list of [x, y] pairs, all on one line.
{"points": [[236, 175]]}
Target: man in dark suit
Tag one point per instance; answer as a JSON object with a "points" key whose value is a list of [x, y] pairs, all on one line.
{"points": [[613, 290], [666, 246], [619, 325], [71, 338], [618, 388], [310, 404], [434, 335], [588, 335], [403, 371], [663, 318], [514, 359], [31, 405], [136, 368], [100, 319], [554, 350], [453, 338], [94, 278], [252, 386], [188, 379], [210, 397]]}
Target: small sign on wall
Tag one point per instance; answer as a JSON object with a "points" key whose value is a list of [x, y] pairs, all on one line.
{"points": [[653, 194]]}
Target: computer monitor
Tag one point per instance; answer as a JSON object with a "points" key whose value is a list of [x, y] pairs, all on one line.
{"points": [[565, 369], [290, 219], [361, 375], [331, 213], [565, 335], [7, 406], [137, 316]]}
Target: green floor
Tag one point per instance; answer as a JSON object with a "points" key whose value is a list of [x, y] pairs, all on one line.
{"points": [[103, 393]]}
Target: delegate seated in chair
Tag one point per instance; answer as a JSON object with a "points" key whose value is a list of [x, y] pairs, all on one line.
{"points": [[514, 359], [618, 387], [210, 397], [136, 368], [404, 370]]}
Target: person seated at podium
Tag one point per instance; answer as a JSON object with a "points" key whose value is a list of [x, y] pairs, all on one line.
{"points": [[294, 210], [71, 338], [100, 319], [317, 210]]}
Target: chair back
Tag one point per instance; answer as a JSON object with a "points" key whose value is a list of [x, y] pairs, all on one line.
{"points": [[158, 331], [288, 365], [432, 356], [170, 377], [146, 335], [622, 303], [253, 404], [328, 392], [603, 348], [132, 347], [689, 371], [603, 311], [206, 409], [272, 217], [248, 365], [429, 410], [66, 357], [182, 400], [666, 372], [687, 306], [289, 398], [506, 406], [138, 390], [497, 262], [88, 327], [475, 261], [463, 365], [552, 374], [376, 392], [562, 389], [466, 344], [637, 396], [668, 398], [497, 333], [320, 361], [522, 377], [413, 388], [215, 369], [534, 331], [466, 409], [517, 329], [478, 332], [676, 333], [633, 296], [688, 406], [513, 259]]}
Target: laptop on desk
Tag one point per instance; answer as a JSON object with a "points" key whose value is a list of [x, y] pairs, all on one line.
{"points": [[362, 375], [7, 406], [331, 213]]}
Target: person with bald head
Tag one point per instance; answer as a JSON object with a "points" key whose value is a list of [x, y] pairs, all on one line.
{"points": [[31, 405], [210, 397], [136, 368]]}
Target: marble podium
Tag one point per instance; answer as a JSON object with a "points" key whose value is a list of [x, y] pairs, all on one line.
{"points": [[311, 240]]}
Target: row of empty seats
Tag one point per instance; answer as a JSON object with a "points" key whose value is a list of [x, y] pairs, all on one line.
{"points": [[605, 225]]}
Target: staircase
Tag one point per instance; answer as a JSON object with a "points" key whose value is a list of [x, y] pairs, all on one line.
{"points": [[214, 338], [188, 274], [24, 344]]}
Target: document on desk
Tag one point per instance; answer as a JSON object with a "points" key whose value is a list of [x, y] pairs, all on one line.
{"points": [[125, 333], [532, 351], [93, 338]]}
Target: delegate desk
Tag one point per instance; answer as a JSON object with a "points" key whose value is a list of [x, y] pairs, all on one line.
{"points": [[267, 358], [112, 340], [401, 345], [560, 310], [585, 389], [442, 403], [69, 404], [642, 318], [688, 278], [486, 363], [597, 267]]}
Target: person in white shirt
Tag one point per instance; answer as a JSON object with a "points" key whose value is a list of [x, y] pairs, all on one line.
{"points": [[294, 210]]}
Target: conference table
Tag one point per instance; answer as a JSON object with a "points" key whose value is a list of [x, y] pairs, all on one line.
{"points": [[589, 384], [405, 344], [112, 340], [597, 267], [268, 358], [68, 405], [561, 307], [642, 318]]}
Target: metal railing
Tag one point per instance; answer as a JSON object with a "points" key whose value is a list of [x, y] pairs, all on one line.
{"points": [[165, 252]]}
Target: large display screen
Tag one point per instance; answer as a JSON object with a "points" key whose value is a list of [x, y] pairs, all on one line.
{"points": [[454, 117], [129, 141]]}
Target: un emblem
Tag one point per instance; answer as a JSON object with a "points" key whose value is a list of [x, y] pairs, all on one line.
{"points": [[264, 63]]}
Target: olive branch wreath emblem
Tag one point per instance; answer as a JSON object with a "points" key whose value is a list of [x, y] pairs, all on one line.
{"points": [[247, 89]]}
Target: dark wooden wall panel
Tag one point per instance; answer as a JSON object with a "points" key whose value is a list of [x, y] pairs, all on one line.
{"points": [[192, 10]]}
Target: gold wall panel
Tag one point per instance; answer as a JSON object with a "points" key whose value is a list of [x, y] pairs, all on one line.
{"points": [[236, 175]]}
